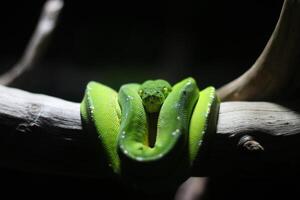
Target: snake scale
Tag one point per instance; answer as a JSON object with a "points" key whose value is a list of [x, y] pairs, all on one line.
{"points": [[150, 132]]}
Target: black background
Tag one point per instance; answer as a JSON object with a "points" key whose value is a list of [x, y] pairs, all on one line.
{"points": [[117, 42], [130, 41]]}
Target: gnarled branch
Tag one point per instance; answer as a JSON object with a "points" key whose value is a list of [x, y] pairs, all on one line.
{"points": [[44, 133], [276, 67], [38, 42]]}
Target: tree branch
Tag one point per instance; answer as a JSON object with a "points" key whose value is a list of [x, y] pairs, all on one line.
{"points": [[276, 67], [38, 42], [43, 133]]}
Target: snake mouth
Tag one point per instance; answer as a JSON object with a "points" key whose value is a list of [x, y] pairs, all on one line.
{"points": [[152, 104]]}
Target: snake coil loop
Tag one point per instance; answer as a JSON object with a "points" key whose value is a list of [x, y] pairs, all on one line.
{"points": [[177, 117]]}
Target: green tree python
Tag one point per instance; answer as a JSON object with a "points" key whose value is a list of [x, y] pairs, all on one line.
{"points": [[150, 133]]}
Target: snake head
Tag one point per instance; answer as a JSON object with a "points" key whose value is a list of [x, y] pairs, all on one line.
{"points": [[153, 94]]}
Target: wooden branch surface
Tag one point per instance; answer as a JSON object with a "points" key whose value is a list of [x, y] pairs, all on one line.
{"points": [[43, 133], [276, 70], [38, 42]]}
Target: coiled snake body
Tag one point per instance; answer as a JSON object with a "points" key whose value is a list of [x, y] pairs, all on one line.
{"points": [[152, 131]]}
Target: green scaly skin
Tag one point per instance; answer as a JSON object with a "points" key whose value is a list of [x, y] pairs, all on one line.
{"points": [[122, 122]]}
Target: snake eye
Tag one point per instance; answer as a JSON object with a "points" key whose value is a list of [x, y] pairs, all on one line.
{"points": [[166, 90], [141, 92]]}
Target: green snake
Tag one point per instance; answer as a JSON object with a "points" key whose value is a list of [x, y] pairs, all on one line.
{"points": [[150, 132]]}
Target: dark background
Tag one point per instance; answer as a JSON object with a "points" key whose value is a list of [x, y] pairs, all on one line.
{"points": [[118, 42]]}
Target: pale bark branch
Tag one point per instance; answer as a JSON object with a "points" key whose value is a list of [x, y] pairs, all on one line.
{"points": [[38, 42], [44, 133], [276, 67]]}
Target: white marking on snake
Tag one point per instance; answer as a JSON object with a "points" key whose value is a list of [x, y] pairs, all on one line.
{"points": [[200, 142], [139, 158]]}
